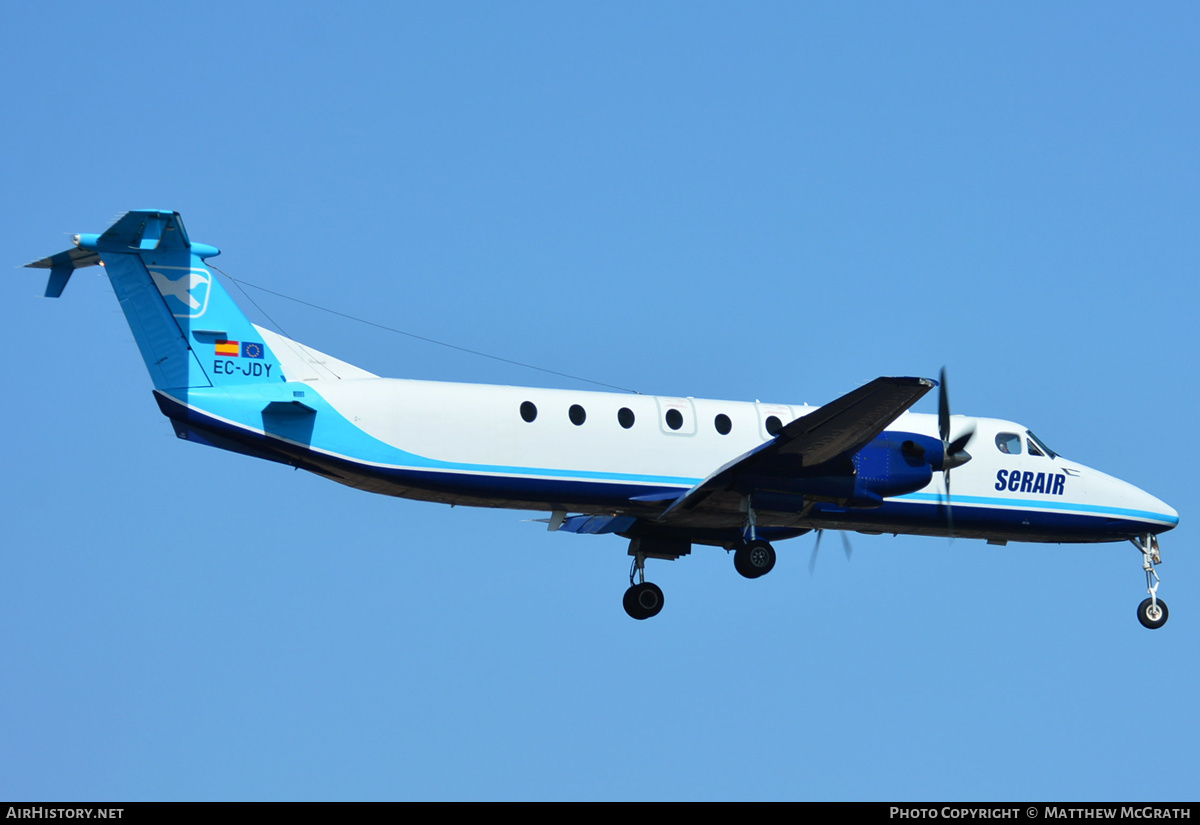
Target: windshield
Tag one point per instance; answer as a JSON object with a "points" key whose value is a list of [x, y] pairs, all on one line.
{"points": [[1041, 444]]}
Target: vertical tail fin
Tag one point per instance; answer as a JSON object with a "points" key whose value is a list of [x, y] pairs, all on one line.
{"points": [[190, 332]]}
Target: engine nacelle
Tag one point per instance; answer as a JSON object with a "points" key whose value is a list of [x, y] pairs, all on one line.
{"points": [[893, 464]]}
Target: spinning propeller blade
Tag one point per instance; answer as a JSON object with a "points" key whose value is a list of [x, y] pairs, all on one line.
{"points": [[954, 453], [812, 561]]}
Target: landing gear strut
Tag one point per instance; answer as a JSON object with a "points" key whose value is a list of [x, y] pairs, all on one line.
{"points": [[643, 599], [752, 557], [1152, 612]]}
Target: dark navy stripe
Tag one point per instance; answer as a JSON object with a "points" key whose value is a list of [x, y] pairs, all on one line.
{"points": [[894, 515]]}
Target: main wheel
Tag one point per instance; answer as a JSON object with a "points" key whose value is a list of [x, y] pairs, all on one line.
{"points": [[754, 559], [643, 600], [1153, 615]]}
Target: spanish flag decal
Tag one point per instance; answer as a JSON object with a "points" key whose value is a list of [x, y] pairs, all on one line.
{"points": [[228, 348]]}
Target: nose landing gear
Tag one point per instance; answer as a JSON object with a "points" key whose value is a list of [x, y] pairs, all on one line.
{"points": [[1152, 612]]}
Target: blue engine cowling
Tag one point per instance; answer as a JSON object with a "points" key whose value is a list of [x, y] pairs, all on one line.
{"points": [[891, 464]]}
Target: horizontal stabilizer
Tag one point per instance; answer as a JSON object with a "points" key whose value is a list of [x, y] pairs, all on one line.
{"points": [[145, 230], [71, 259], [62, 265]]}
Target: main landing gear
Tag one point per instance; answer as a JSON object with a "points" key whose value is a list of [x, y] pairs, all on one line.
{"points": [[643, 599], [752, 557], [1152, 612]]}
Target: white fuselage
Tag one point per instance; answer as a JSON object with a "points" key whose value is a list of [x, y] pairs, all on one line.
{"points": [[594, 452]]}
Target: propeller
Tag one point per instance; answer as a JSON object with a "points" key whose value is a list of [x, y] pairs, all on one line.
{"points": [[954, 452], [812, 562]]}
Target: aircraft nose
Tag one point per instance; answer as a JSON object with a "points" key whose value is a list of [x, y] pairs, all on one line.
{"points": [[1129, 502], [1157, 509], [1169, 512]]}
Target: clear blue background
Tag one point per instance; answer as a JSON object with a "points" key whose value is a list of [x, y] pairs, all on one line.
{"points": [[775, 201]]}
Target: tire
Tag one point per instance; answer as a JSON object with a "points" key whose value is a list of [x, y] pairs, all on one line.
{"points": [[1153, 623], [754, 559], [643, 601]]}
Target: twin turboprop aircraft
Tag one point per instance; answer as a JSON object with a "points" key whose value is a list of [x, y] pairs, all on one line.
{"points": [[664, 473]]}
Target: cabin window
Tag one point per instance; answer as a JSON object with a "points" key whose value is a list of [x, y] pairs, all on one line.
{"points": [[674, 419], [528, 411], [625, 417], [1008, 443], [774, 425], [578, 416], [723, 424]]}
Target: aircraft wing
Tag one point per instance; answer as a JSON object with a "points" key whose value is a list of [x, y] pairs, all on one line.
{"points": [[817, 440]]}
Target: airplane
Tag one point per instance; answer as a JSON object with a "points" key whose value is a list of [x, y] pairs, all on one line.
{"points": [[664, 473]]}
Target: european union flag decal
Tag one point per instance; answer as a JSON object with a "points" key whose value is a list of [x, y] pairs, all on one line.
{"points": [[250, 349]]}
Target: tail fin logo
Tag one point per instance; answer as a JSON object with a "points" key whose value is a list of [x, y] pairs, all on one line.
{"points": [[187, 296]]}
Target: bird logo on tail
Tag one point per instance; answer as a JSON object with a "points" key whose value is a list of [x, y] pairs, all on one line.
{"points": [[190, 291]]}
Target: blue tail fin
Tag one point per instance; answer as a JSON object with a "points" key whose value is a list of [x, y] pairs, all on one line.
{"points": [[190, 332]]}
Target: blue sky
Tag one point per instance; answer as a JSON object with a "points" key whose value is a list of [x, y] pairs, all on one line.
{"points": [[775, 201]]}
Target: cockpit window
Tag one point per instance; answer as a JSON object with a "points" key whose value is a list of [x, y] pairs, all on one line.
{"points": [[1041, 444], [1033, 448], [1009, 443]]}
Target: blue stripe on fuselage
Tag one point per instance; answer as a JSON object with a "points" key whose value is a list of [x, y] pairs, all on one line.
{"points": [[332, 434], [402, 468], [1099, 509]]}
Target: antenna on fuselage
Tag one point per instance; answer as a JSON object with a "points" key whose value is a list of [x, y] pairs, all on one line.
{"points": [[241, 283]]}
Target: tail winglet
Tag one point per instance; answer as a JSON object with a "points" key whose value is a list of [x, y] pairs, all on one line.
{"points": [[62, 265]]}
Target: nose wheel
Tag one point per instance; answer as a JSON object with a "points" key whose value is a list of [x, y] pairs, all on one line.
{"points": [[1152, 612]]}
